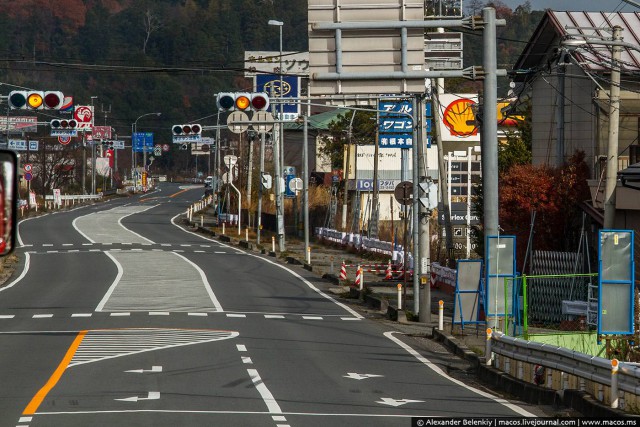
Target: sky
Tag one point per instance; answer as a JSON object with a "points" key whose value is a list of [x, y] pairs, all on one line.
{"points": [[577, 5]]}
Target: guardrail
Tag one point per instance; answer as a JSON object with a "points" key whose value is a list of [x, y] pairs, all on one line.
{"points": [[563, 366]]}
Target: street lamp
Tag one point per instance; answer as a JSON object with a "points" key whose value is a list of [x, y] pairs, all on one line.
{"points": [[279, 154], [134, 128]]}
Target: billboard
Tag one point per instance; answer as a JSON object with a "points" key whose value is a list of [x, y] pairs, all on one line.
{"points": [[268, 62], [270, 84]]}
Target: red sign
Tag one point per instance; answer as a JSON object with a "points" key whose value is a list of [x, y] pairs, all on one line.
{"points": [[84, 116], [165, 147], [109, 154], [64, 140], [101, 132]]}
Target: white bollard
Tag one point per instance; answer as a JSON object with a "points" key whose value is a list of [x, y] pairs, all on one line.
{"points": [[440, 315], [615, 365], [487, 351], [309, 255], [223, 228], [399, 296], [246, 234], [202, 221], [273, 243]]}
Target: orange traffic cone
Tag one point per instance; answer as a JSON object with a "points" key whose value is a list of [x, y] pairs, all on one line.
{"points": [[343, 271], [388, 275]]}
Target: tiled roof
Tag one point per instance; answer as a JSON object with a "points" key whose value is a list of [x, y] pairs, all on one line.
{"points": [[597, 26]]}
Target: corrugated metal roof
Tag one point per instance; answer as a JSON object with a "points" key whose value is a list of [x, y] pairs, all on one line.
{"points": [[598, 27], [556, 26]]}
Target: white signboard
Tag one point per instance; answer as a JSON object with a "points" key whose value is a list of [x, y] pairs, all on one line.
{"points": [[458, 118], [22, 145], [19, 124], [57, 197], [295, 63]]}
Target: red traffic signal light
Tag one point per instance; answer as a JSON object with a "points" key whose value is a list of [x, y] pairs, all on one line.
{"points": [[35, 100], [187, 130], [63, 124], [242, 101]]}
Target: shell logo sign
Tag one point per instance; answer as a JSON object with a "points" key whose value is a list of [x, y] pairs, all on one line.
{"points": [[459, 119]]}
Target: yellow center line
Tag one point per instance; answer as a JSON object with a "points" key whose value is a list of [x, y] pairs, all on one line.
{"points": [[179, 192], [36, 401]]}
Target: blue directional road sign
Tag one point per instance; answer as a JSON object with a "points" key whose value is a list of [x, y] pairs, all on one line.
{"points": [[142, 139], [395, 128]]}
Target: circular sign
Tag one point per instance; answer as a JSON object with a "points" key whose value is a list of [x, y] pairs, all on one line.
{"points": [[64, 140], [404, 192], [165, 147], [204, 147], [238, 122], [28, 167], [264, 121], [28, 176]]}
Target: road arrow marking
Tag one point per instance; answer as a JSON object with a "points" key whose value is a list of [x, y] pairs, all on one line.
{"points": [[154, 369], [397, 402], [356, 376], [152, 395]]}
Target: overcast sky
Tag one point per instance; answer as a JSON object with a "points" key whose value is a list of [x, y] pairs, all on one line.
{"points": [[577, 5]]}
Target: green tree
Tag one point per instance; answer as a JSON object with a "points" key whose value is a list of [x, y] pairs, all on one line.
{"points": [[355, 127]]}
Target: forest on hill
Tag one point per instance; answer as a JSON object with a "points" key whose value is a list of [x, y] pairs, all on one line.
{"points": [[170, 56]]}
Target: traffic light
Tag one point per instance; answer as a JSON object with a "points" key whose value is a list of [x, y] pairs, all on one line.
{"points": [[63, 124], [35, 100], [242, 101], [187, 130]]}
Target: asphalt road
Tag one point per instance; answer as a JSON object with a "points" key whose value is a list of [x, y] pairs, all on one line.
{"points": [[117, 315]]}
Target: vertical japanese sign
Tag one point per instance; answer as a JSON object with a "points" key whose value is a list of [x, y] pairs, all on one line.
{"points": [[395, 127], [142, 139]]}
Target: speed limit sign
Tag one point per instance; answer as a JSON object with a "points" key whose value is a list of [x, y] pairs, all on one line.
{"points": [[28, 167]]}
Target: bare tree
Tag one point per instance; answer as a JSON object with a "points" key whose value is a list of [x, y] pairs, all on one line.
{"points": [[474, 7], [151, 24]]}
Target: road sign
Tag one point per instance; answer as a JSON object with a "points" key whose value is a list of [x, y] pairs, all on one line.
{"points": [[238, 122], [165, 147], [265, 121], [28, 176], [230, 160], [404, 192], [64, 140], [157, 150], [28, 167]]}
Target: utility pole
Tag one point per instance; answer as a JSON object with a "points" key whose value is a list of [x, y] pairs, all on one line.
{"points": [[490, 125], [614, 123], [424, 237]]}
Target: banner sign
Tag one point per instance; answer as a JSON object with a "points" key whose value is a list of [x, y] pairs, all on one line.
{"points": [[23, 145], [18, 124]]}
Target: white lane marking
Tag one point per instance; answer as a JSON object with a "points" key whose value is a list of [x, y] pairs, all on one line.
{"points": [[305, 281], [356, 376], [312, 317], [152, 395], [241, 347], [67, 244], [273, 316], [47, 244], [350, 318], [158, 313], [140, 236], [42, 316], [25, 419], [7, 316], [279, 418], [113, 285], [25, 270], [81, 315], [266, 395], [153, 370], [247, 360], [73, 223], [207, 286], [119, 314], [236, 315], [443, 374], [397, 402], [52, 252], [198, 314]]}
